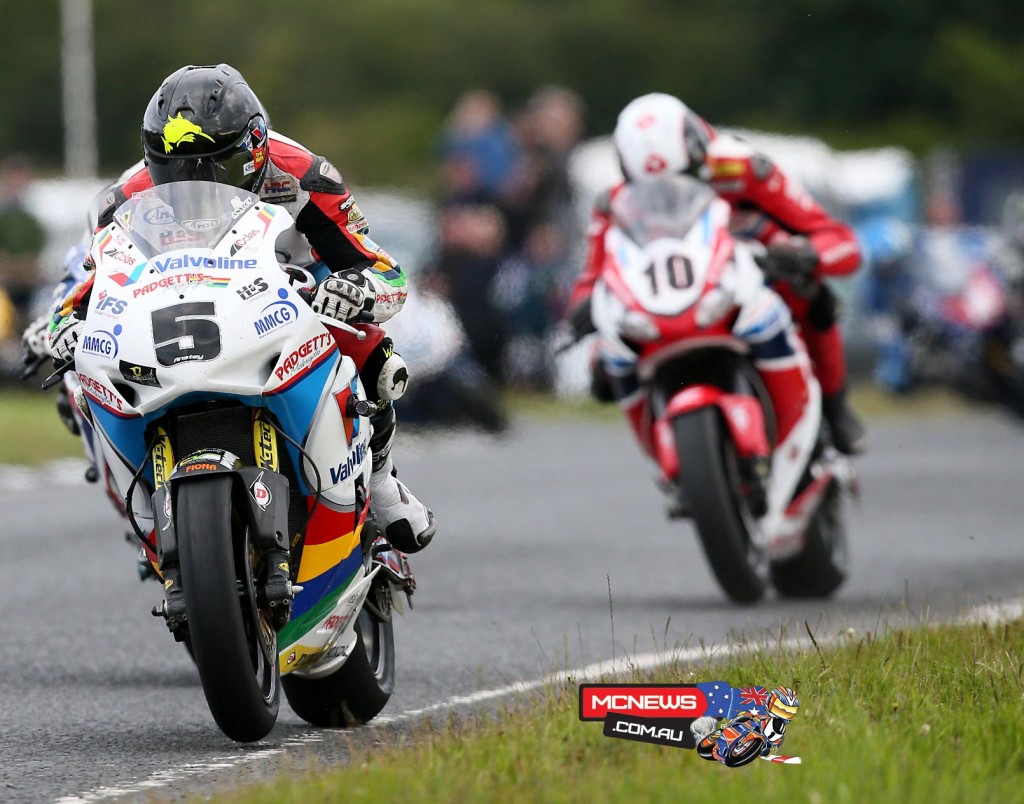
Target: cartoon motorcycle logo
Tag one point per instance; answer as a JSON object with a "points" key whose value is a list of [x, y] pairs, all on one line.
{"points": [[751, 734]]}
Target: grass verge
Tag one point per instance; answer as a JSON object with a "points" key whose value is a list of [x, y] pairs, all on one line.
{"points": [[934, 715], [30, 432]]}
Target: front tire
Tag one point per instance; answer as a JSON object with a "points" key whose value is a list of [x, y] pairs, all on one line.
{"points": [[233, 645], [357, 691], [709, 476]]}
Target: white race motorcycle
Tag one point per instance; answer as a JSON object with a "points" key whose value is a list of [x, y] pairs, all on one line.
{"points": [[238, 435]]}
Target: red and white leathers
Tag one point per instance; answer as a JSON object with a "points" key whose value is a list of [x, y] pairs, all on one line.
{"points": [[759, 317], [770, 208]]}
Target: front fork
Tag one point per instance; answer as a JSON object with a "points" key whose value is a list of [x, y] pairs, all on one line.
{"points": [[262, 483]]}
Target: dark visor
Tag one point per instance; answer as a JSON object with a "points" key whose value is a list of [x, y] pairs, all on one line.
{"points": [[235, 167]]}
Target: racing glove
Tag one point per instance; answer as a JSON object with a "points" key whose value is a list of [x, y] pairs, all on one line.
{"points": [[793, 260], [36, 339], [343, 296], [63, 337]]}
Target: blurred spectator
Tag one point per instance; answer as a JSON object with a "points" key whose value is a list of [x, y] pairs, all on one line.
{"points": [[472, 239], [21, 240], [543, 233], [478, 150], [510, 226]]}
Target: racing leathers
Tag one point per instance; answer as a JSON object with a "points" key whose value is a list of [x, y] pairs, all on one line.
{"points": [[770, 208], [345, 275]]}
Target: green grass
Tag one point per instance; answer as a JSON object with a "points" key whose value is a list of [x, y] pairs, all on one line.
{"points": [[931, 715], [30, 431]]}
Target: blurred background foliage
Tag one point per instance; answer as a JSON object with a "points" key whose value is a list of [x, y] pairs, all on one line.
{"points": [[370, 84]]}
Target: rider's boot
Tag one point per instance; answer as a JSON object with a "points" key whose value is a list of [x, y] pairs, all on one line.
{"points": [[848, 432], [407, 523]]}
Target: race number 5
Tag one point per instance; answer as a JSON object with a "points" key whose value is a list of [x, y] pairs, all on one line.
{"points": [[185, 332]]}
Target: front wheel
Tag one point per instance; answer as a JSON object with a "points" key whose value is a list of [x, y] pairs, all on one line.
{"points": [[358, 690], [710, 478], [231, 640]]}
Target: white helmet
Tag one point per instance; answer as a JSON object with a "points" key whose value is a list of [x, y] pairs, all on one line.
{"points": [[656, 136]]}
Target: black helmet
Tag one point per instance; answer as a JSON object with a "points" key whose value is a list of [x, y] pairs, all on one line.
{"points": [[206, 123]]}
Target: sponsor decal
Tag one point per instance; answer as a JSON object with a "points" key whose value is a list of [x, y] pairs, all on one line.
{"points": [[394, 297], [242, 241], [190, 261], [332, 622], [279, 192], [100, 392], [343, 398], [140, 375], [304, 356], [110, 306], [343, 471], [168, 512], [120, 256], [158, 216], [260, 492], [255, 288], [161, 459], [276, 315], [174, 237], [266, 445], [731, 725], [101, 342], [240, 205], [179, 280], [201, 224], [178, 130]]}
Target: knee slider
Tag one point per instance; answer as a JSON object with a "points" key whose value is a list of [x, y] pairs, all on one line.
{"points": [[823, 310], [385, 373]]}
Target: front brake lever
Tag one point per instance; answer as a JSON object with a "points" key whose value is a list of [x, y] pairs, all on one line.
{"points": [[58, 374]]}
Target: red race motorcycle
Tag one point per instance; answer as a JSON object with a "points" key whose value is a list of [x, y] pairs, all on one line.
{"points": [[720, 393]]}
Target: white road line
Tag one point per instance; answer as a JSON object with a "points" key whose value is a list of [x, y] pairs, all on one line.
{"points": [[990, 613]]}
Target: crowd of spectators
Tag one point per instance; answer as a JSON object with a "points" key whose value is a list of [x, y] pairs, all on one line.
{"points": [[509, 228]]}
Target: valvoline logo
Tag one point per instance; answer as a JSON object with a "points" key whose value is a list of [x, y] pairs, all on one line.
{"points": [[276, 315], [101, 342]]}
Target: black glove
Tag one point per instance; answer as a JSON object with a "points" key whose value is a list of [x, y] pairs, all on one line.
{"points": [[793, 261]]}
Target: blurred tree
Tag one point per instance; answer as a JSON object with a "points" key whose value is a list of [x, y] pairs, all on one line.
{"points": [[370, 85]]}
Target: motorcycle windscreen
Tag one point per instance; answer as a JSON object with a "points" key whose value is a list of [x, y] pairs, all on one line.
{"points": [[665, 208], [185, 214]]}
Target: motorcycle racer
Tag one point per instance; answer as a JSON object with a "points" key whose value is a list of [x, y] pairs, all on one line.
{"points": [[205, 123], [657, 136]]}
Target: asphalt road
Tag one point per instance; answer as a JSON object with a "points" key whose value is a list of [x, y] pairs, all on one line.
{"points": [[97, 699]]}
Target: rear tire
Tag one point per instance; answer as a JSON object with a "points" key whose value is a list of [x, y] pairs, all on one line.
{"points": [[821, 566], [357, 691], [234, 648], [709, 476]]}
